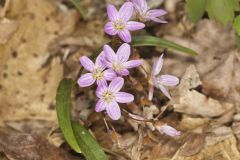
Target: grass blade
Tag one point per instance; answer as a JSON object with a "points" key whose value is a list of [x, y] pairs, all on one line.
{"points": [[90, 148], [63, 100], [155, 41]]}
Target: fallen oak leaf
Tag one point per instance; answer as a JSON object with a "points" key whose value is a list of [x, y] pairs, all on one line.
{"points": [[195, 103]]}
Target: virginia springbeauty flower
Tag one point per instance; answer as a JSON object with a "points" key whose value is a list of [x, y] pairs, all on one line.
{"points": [[169, 130], [119, 22], [160, 81], [109, 97], [145, 14], [96, 70], [119, 61]]}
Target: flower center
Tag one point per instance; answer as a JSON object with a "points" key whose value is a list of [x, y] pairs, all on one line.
{"points": [[119, 25], [143, 16], [98, 74], [117, 66], [108, 96], [156, 81]]}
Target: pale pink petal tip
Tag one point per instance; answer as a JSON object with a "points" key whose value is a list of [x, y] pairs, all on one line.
{"points": [[87, 63], [113, 110], [157, 66], [86, 80], [170, 130]]}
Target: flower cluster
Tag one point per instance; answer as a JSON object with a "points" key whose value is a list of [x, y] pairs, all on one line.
{"points": [[120, 23], [109, 66]]}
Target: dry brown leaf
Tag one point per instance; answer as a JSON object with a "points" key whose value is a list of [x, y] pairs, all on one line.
{"points": [[27, 89], [165, 148], [194, 103], [7, 29], [218, 134], [225, 150], [218, 81], [20, 146], [207, 36], [190, 122], [194, 144]]}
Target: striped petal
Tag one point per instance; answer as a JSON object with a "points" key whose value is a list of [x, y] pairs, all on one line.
{"points": [[116, 84], [168, 80], [112, 12], [87, 63], [113, 110], [86, 80], [123, 97]]}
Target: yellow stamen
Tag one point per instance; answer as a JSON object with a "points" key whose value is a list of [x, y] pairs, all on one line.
{"points": [[108, 96], [117, 66], [119, 25], [98, 74]]}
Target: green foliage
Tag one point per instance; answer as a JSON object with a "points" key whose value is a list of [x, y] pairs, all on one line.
{"points": [[63, 104], [237, 5], [221, 10], [195, 9], [238, 42], [77, 4], [236, 25], [88, 145], [76, 135], [155, 41]]}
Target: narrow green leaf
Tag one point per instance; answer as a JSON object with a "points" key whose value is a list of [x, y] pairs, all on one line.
{"points": [[238, 42], [236, 24], [195, 9], [221, 10], [77, 4], [237, 5], [75, 134], [155, 41], [63, 104], [88, 145]]}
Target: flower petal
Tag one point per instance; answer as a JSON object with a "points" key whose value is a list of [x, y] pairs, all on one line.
{"points": [[123, 97], [100, 61], [168, 80], [102, 82], [110, 74], [156, 12], [100, 89], [133, 26], [125, 12], [109, 53], [169, 130], [116, 84], [164, 91], [109, 29], [112, 12], [133, 64], [142, 5], [157, 66], [113, 110], [87, 63], [158, 20], [123, 52], [86, 80], [125, 36], [123, 72], [100, 106]]}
